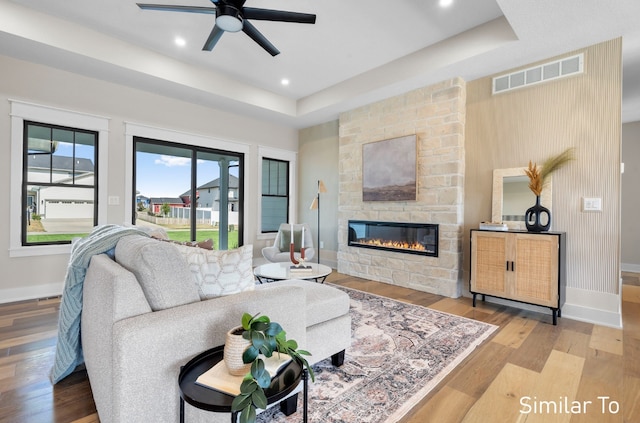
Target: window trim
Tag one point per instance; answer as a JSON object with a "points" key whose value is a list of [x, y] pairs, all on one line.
{"points": [[282, 155], [21, 111]]}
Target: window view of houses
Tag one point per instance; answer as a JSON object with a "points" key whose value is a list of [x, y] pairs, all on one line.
{"points": [[191, 192], [60, 184], [166, 195]]}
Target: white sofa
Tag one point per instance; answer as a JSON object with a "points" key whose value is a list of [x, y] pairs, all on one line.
{"points": [[142, 319]]}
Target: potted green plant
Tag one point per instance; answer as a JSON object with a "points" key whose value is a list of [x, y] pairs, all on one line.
{"points": [[265, 337]]}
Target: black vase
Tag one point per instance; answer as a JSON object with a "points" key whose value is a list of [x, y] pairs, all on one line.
{"points": [[537, 218]]}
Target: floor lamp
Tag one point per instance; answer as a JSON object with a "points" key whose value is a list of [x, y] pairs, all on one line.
{"points": [[315, 204]]}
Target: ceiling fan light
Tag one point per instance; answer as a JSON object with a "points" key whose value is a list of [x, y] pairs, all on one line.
{"points": [[228, 18]]}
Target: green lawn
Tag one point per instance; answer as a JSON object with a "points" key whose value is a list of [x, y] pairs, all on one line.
{"points": [[45, 237]]}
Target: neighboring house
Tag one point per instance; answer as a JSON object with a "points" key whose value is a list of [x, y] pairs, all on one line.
{"points": [[208, 195], [155, 203], [141, 199], [55, 202]]}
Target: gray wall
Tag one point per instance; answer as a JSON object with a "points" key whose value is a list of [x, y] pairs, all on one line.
{"points": [[318, 159], [630, 245]]}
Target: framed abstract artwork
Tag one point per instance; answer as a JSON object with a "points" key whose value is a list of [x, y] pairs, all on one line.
{"points": [[389, 170]]}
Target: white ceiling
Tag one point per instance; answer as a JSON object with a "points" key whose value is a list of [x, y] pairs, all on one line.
{"points": [[359, 51]]}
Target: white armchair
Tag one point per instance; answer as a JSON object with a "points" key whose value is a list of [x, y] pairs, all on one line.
{"points": [[279, 251]]}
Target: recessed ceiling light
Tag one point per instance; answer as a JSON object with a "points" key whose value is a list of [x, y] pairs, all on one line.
{"points": [[446, 3], [284, 81], [181, 42]]}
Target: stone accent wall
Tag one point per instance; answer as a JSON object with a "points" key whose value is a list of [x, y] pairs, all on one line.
{"points": [[436, 114]]}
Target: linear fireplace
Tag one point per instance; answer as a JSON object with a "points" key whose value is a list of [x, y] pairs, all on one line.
{"points": [[412, 238]]}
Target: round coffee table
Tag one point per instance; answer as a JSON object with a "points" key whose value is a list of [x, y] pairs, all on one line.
{"points": [[281, 271], [209, 399]]}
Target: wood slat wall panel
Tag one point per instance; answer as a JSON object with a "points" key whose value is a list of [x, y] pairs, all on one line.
{"points": [[583, 111]]}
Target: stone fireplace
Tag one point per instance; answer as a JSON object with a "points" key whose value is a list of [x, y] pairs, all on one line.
{"points": [[435, 114], [400, 237]]}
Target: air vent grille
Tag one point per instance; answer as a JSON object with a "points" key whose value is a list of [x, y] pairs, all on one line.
{"points": [[538, 74]]}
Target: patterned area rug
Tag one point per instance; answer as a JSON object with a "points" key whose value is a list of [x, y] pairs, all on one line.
{"points": [[399, 353]]}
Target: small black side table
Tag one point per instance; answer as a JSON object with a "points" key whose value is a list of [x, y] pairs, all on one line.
{"points": [[209, 399]]}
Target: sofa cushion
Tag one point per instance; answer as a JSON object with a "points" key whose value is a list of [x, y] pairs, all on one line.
{"points": [[220, 272], [160, 269], [324, 302]]}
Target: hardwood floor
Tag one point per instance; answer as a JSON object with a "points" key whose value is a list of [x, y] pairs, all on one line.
{"points": [[563, 366]]}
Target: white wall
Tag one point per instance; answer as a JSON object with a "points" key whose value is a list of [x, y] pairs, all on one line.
{"points": [[29, 277]]}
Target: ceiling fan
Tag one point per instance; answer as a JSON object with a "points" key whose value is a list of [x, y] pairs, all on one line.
{"points": [[232, 16]]}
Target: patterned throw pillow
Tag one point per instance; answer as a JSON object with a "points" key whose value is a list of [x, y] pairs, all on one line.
{"points": [[220, 272]]}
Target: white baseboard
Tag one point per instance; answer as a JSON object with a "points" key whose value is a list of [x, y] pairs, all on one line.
{"points": [[630, 267], [11, 295], [590, 315], [600, 308]]}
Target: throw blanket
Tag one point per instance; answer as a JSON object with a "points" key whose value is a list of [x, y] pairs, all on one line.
{"points": [[68, 349]]}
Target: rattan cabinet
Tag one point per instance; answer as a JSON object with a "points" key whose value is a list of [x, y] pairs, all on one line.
{"points": [[527, 267]]}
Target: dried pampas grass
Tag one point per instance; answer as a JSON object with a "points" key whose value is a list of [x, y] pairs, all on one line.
{"points": [[538, 176]]}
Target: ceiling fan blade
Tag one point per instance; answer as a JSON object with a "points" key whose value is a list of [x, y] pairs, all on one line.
{"points": [[176, 8], [256, 36], [277, 15], [215, 35]]}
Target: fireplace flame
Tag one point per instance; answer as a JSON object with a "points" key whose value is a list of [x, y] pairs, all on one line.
{"points": [[393, 244]]}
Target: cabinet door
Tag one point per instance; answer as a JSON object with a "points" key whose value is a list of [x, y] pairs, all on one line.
{"points": [[488, 263], [535, 278]]}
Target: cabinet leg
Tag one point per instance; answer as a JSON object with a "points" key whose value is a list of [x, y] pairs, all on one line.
{"points": [[559, 312], [474, 300], [555, 316], [338, 358], [289, 405]]}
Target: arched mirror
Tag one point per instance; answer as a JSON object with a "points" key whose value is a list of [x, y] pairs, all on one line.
{"points": [[512, 197]]}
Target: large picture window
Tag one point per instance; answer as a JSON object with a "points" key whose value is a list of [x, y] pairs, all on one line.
{"points": [[194, 193], [59, 183], [275, 194]]}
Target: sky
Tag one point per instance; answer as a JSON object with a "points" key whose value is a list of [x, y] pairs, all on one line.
{"points": [[160, 175], [157, 175]]}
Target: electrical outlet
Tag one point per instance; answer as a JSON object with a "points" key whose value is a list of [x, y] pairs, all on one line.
{"points": [[321, 244], [114, 200], [591, 204]]}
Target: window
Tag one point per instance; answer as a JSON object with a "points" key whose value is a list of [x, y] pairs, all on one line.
{"points": [[59, 190], [275, 194], [194, 192], [54, 177]]}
